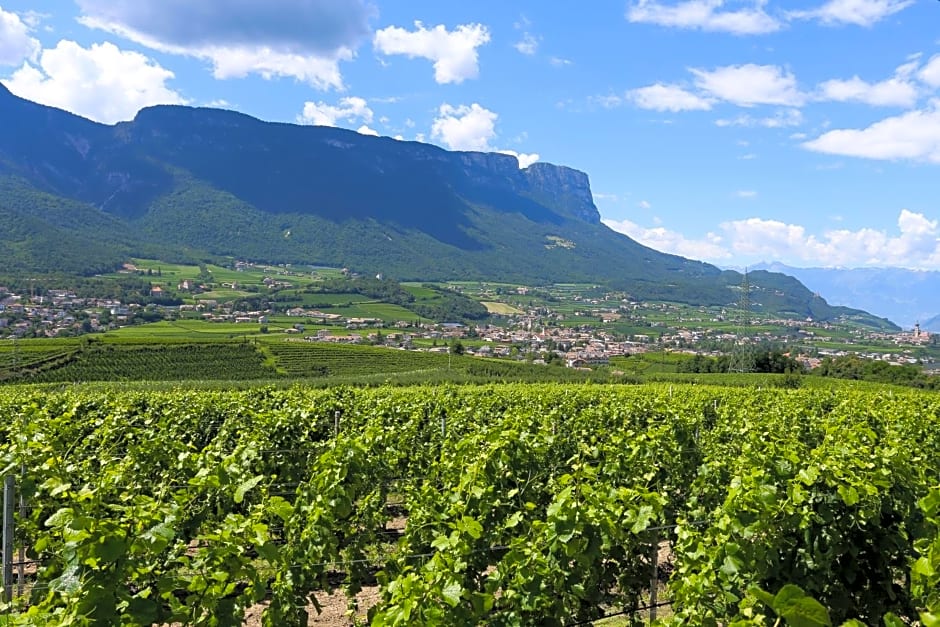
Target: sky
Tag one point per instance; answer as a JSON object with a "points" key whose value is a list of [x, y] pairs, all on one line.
{"points": [[731, 131]]}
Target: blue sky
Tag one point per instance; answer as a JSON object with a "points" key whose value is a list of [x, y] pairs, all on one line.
{"points": [[805, 131]]}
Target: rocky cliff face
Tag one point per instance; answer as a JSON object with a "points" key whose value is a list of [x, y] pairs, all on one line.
{"points": [[565, 186], [565, 190]]}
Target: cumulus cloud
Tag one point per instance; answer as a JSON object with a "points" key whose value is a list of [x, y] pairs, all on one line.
{"points": [[915, 244], [103, 82], [661, 97], [857, 12], [454, 53], [350, 109], [750, 84], [303, 39], [524, 159], [472, 128], [464, 127], [705, 15], [913, 135], [15, 43], [930, 73], [665, 240], [365, 130], [898, 91]]}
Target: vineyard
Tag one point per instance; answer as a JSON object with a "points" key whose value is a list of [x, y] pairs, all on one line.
{"points": [[240, 360], [173, 362], [305, 359], [358, 363], [499, 505]]}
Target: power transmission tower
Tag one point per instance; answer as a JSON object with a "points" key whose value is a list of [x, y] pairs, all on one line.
{"points": [[742, 357]]}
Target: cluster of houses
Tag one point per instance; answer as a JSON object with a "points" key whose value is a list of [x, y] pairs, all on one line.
{"points": [[55, 313], [538, 334]]}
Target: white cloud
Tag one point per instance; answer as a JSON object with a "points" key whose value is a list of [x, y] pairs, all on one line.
{"points": [[930, 73], [524, 159], [750, 84], [454, 53], [915, 244], [321, 73], [746, 193], [560, 62], [464, 128], [303, 39], [350, 109], [645, 205], [472, 128], [661, 238], [757, 236], [365, 130], [897, 92], [780, 119], [528, 45], [15, 43], [913, 135], [102, 82], [661, 97], [857, 12], [706, 15]]}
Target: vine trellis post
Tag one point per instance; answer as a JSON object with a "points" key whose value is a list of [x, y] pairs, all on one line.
{"points": [[9, 501]]}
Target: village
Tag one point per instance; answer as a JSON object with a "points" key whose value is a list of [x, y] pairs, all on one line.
{"points": [[586, 338]]}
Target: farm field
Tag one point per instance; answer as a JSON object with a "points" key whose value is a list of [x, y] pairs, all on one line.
{"points": [[191, 351], [387, 312], [502, 309], [187, 355], [235, 361], [501, 504]]}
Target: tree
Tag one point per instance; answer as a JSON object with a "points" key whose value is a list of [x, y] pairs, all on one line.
{"points": [[456, 347]]}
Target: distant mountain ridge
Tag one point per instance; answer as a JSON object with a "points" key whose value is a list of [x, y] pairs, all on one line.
{"points": [[183, 182], [903, 296], [932, 324]]}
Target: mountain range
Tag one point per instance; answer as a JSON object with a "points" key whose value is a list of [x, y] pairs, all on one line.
{"points": [[906, 297], [183, 183]]}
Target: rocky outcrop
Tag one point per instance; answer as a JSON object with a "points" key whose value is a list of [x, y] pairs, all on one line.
{"points": [[566, 187]]}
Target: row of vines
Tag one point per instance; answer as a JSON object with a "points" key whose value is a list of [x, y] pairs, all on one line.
{"points": [[176, 362], [524, 504]]}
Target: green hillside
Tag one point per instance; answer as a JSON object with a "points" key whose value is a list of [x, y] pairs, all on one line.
{"points": [[181, 183]]}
